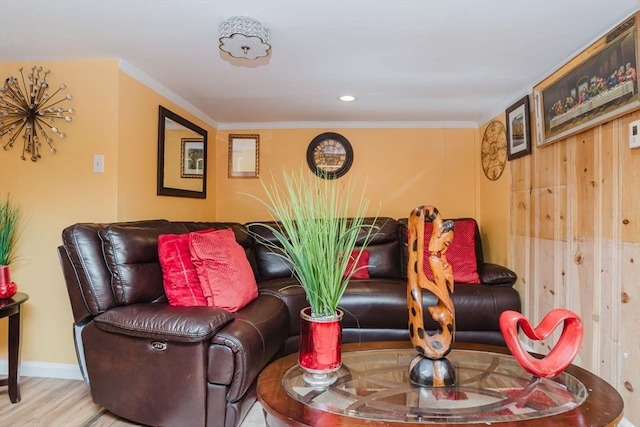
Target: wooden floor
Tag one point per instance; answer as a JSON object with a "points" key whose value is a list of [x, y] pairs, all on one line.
{"points": [[51, 402]]}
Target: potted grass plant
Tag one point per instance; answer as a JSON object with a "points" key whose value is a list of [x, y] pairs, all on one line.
{"points": [[10, 216], [321, 224]]}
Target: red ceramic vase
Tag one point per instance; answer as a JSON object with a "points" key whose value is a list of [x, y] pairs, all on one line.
{"points": [[320, 347], [7, 287]]}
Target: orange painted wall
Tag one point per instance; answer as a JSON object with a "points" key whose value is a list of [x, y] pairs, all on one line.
{"points": [[116, 116], [402, 168], [56, 191], [137, 159]]}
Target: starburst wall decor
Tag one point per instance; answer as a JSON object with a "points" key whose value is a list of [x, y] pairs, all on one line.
{"points": [[30, 111]]}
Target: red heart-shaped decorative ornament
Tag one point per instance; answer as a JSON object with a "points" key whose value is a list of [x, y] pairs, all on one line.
{"points": [[560, 356]]}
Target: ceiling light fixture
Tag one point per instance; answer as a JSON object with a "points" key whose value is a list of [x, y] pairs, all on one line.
{"points": [[243, 37], [347, 98]]}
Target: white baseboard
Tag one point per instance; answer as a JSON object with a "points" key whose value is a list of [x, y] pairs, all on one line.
{"points": [[45, 370]]}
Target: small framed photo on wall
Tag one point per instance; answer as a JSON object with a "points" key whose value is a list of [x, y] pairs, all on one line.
{"points": [[192, 158], [244, 156], [518, 129]]}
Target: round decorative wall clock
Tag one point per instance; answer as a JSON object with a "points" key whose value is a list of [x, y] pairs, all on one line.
{"points": [[493, 153], [330, 155]]}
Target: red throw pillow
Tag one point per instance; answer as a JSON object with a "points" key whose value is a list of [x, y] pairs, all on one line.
{"points": [[179, 276], [461, 253], [225, 274], [362, 266]]}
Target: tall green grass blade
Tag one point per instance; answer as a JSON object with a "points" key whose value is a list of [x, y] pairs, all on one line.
{"points": [[319, 221]]}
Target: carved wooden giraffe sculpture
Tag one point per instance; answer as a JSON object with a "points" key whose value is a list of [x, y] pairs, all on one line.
{"points": [[431, 348]]}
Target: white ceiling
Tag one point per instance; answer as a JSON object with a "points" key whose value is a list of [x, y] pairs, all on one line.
{"points": [[409, 62]]}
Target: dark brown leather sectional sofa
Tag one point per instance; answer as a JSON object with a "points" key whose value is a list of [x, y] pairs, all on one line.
{"points": [[156, 364]]}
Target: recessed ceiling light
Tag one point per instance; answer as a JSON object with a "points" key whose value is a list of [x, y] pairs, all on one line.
{"points": [[347, 98]]}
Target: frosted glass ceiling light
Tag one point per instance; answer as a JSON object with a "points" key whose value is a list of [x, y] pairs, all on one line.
{"points": [[243, 37]]}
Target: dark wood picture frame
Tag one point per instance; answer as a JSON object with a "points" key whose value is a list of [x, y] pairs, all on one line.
{"points": [[518, 121], [169, 181]]}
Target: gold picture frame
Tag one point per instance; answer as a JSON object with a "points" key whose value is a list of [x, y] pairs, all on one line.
{"points": [[192, 158], [244, 155], [597, 85]]}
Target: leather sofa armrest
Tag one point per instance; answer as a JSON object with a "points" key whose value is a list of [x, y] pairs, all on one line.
{"points": [[164, 322], [494, 274]]}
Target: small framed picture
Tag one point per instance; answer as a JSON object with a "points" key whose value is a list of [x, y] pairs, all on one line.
{"points": [[192, 158], [244, 156], [518, 129]]}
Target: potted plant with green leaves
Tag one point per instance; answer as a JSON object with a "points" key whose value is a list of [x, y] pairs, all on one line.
{"points": [[321, 232], [10, 216]]}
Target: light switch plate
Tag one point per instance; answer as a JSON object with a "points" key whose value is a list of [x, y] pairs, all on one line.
{"points": [[98, 163], [634, 134]]}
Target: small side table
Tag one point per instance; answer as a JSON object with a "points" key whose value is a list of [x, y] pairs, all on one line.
{"points": [[12, 308]]}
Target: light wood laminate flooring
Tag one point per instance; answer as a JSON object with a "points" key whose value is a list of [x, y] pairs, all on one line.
{"points": [[50, 402]]}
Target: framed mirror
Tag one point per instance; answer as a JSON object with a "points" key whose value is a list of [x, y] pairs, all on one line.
{"points": [[182, 156], [244, 156]]}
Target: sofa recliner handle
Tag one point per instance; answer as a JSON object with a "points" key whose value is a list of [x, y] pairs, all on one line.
{"points": [[164, 322]]}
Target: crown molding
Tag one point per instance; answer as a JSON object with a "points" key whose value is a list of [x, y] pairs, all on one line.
{"points": [[148, 81], [346, 125]]}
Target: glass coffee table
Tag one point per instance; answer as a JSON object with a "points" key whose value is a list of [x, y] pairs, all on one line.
{"points": [[492, 389]]}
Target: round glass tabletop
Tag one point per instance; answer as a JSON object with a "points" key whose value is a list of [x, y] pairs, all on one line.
{"points": [[490, 388]]}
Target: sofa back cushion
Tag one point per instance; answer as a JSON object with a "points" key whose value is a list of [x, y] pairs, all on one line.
{"points": [[107, 265], [384, 250], [131, 255], [87, 278]]}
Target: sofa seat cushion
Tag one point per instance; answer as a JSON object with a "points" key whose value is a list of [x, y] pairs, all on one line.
{"points": [[245, 346], [382, 304]]}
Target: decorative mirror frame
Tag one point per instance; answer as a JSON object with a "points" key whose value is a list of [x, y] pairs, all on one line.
{"points": [[250, 168], [164, 114]]}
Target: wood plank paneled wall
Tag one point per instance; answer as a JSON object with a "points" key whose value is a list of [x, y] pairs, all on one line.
{"points": [[575, 243]]}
